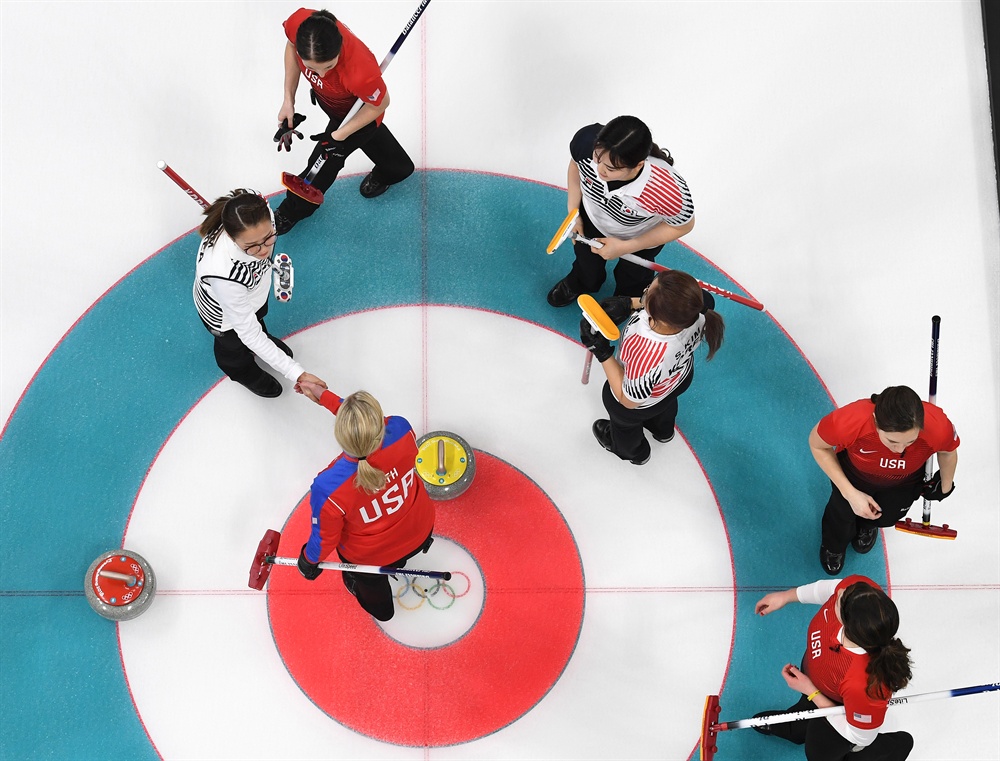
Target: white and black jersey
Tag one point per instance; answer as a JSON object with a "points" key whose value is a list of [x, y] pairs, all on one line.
{"points": [[626, 210], [223, 260], [655, 364], [230, 287]]}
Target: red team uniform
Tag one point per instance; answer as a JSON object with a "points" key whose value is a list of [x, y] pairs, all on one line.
{"points": [[385, 528], [356, 76], [841, 674], [892, 479]]}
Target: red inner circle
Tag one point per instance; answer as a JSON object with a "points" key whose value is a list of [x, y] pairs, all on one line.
{"points": [[485, 680]]}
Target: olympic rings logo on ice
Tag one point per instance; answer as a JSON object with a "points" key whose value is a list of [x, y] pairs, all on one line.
{"points": [[421, 593]]}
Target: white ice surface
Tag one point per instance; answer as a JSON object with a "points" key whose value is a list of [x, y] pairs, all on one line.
{"points": [[839, 155]]}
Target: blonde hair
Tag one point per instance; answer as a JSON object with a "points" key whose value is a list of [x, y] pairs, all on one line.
{"points": [[359, 430]]}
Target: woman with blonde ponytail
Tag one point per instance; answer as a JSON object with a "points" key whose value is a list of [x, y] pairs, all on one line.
{"points": [[368, 504], [853, 658]]}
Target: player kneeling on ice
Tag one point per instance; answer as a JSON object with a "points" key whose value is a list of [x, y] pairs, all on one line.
{"points": [[368, 504], [655, 362], [852, 658], [874, 452], [231, 287]]}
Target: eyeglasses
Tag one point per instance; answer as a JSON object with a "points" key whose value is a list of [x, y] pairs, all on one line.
{"points": [[256, 248]]}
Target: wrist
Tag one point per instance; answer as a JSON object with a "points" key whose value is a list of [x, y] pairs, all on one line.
{"points": [[813, 695]]}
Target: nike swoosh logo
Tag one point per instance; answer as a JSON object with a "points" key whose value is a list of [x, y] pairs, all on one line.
{"points": [[867, 451]]}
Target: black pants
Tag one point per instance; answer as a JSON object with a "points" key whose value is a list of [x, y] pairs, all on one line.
{"points": [[392, 164], [590, 270], [627, 439], [235, 359], [824, 743], [841, 524], [373, 590]]}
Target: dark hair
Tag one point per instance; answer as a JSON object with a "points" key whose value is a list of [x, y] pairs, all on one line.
{"points": [[898, 409], [871, 621], [628, 142], [318, 38], [678, 300], [235, 212]]}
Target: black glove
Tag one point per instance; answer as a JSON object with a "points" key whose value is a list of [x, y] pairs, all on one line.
{"points": [[594, 342], [932, 488], [283, 137], [331, 148], [707, 299], [618, 308], [307, 569]]}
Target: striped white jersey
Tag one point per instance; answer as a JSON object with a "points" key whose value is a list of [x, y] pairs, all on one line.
{"points": [[230, 286], [658, 194], [225, 261], [656, 364]]}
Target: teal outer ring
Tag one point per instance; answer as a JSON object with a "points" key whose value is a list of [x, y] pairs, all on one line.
{"points": [[78, 446]]}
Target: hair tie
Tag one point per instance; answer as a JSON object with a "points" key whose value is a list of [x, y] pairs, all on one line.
{"points": [[362, 458], [704, 309]]}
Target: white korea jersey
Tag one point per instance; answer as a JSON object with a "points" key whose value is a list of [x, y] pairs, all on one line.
{"points": [[230, 286], [658, 194], [656, 364]]}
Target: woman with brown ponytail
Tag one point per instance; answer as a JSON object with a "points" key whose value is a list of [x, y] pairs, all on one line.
{"points": [[231, 286], [655, 362], [368, 504], [853, 658]]}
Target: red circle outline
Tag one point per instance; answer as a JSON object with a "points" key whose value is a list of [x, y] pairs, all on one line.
{"points": [[487, 679]]}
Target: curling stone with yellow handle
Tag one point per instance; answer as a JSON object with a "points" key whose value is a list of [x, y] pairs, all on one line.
{"points": [[445, 463]]}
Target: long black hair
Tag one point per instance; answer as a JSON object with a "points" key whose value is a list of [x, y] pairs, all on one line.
{"points": [[628, 141]]}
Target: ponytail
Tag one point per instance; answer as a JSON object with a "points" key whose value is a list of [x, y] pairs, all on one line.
{"points": [[234, 212], [359, 430], [678, 301], [661, 153], [871, 621], [715, 331], [888, 669]]}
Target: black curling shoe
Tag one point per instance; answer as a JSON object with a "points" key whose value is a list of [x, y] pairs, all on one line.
{"points": [[265, 386], [865, 540], [561, 295], [371, 188], [832, 562]]}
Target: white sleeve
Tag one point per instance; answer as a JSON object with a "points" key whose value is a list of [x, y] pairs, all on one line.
{"points": [[818, 592], [860, 737], [235, 302]]}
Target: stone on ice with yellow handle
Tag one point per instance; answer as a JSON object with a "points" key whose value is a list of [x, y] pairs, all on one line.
{"points": [[445, 463]]}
